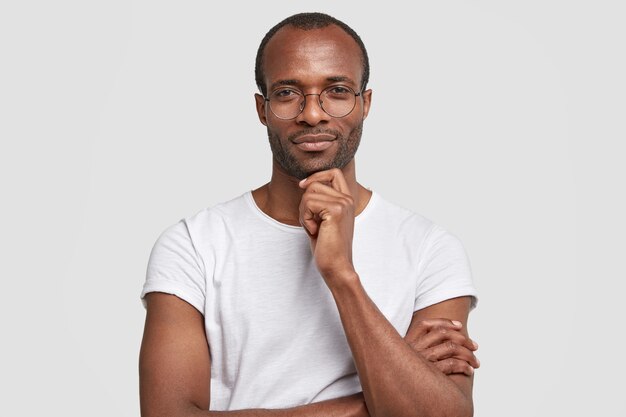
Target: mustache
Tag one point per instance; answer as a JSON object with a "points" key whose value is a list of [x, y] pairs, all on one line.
{"points": [[314, 131]]}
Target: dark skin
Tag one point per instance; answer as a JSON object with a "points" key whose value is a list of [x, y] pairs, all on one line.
{"points": [[428, 372]]}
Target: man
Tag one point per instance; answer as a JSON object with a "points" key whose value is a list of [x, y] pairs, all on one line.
{"points": [[312, 295]]}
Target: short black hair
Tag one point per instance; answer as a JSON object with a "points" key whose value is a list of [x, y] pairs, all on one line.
{"points": [[308, 21]]}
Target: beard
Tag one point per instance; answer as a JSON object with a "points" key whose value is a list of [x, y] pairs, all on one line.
{"points": [[301, 169]]}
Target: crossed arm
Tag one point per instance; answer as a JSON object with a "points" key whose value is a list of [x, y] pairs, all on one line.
{"points": [[175, 365]]}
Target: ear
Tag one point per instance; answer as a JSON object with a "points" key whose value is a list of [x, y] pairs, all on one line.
{"points": [[367, 102], [260, 108]]}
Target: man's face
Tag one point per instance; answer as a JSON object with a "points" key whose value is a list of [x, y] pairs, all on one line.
{"points": [[310, 61]]}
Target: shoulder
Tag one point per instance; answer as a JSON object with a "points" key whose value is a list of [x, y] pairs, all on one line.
{"points": [[399, 220], [411, 228], [205, 228], [228, 209]]}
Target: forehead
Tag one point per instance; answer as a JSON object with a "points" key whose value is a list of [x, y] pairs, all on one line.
{"points": [[312, 56]]}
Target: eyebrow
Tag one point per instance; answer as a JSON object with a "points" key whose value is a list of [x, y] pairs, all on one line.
{"points": [[284, 82], [339, 78], [334, 79]]}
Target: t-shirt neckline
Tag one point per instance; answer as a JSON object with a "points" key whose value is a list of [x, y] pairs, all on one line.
{"points": [[299, 229]]}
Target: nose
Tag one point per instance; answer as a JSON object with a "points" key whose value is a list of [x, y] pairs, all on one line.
{"points": [[312, 113]]}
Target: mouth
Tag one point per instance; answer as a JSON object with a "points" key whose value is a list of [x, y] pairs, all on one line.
{"points": [[315, 142]]}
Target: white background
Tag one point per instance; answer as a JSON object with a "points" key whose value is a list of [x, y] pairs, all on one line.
{"points": [[502, 121]]}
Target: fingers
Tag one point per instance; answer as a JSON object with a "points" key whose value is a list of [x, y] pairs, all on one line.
{"points": [[448, 350], [442, 342], [323, 188], [312, 212], [454, 366], [316, 208], [440, 334], [334, 177], [422, 328], [322, 202]]}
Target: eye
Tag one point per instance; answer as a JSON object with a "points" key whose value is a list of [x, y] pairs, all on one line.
{"points": [[338, 92], [285, 94], [339, 89]]}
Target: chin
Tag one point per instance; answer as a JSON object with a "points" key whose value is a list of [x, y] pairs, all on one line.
{"points": [[324, 167]]}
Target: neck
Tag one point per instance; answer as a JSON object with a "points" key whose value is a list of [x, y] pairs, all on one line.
{"points": [[280, 198]]}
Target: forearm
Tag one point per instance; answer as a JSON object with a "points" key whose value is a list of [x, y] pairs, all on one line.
{"points": [[350, 406], [396, 380]]}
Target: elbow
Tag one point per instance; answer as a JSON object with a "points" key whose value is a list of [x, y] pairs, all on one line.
{"points": [[467, 411], [442, 411], [460, 406], [183, 410]]}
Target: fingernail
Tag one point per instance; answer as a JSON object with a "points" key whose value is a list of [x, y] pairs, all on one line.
{"points": [[475, 344], [302, 182], [457, 323]]}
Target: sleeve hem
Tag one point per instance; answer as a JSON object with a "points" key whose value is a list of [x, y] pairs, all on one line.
{"points": [[186, 294], [440, 296]]}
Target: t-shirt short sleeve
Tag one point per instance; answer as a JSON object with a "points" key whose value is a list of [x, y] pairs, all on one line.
{"points": [[176, 268], [444, 270]]}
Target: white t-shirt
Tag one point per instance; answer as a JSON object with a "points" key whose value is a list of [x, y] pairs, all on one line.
{"points": [[273, 328]]}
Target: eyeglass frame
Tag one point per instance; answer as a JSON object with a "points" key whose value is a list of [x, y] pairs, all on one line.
{"points": [[319, 101]]}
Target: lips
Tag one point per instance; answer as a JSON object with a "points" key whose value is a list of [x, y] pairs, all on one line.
{"points": [[314, 142], [316, 138]]}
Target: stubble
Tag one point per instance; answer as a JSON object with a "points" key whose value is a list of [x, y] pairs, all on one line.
{"points": [[314, 161]]}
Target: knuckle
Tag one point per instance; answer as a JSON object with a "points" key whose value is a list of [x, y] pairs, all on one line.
{"points": [[450, 346], [335, 207], [441, 329], [459, 341], [314, 187], [419, 330], [450, 365], [305, 200]]}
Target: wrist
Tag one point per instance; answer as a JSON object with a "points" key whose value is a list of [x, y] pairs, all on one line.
{"points": [[343, 282]]}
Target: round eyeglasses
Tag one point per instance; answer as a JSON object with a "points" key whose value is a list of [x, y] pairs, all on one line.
{"points": [[287, 103]]}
